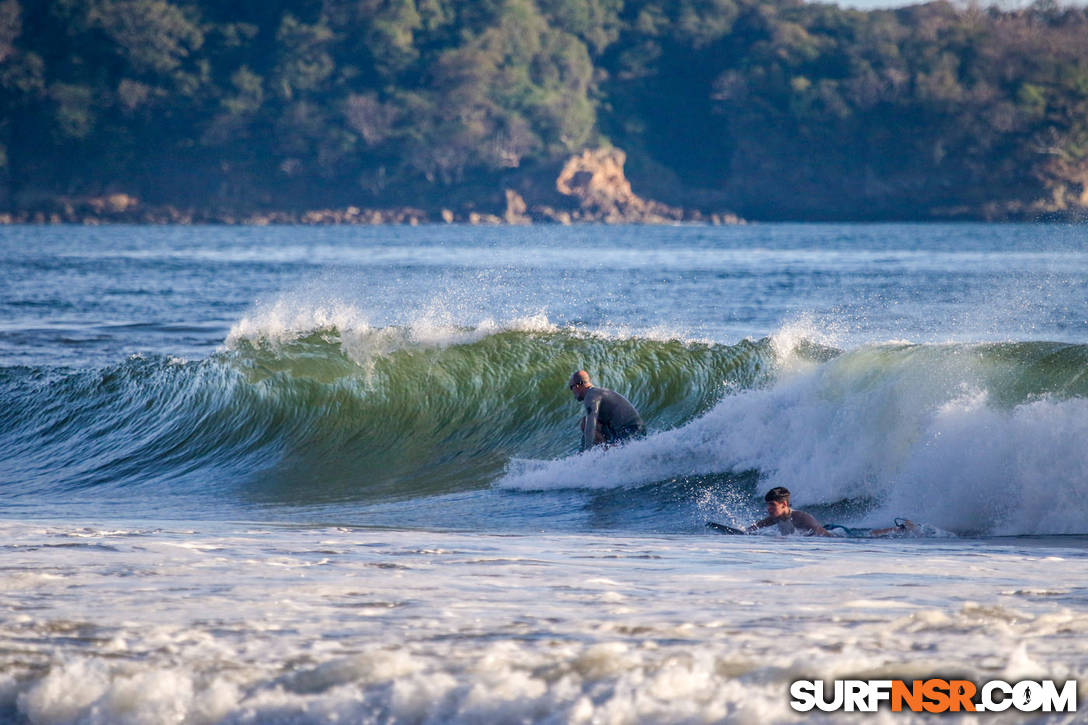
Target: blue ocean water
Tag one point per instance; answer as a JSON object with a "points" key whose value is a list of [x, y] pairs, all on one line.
{"points": [[371, 374], [304, 475]]}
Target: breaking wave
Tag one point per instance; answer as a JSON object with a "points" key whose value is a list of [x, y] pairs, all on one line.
{"points": [[316, 407]]}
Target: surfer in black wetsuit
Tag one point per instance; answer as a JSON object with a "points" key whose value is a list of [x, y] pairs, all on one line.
{"points": [[610, 417], [787, 520]]}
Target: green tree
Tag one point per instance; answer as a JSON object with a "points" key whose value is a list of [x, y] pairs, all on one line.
{"points": [[154, 35], [303, 61]]}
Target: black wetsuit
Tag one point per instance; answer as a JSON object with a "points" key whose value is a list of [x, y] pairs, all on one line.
{"points": [[617, 418]]}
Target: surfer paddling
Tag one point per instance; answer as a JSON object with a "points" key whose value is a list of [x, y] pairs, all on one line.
{"points": [[787, 520], [610, 417], [799, 522]]}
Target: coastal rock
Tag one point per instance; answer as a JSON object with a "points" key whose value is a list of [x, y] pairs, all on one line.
{"points": [[543, 213], [121, 203], [110, 206], [595, 179], [589, 187], [515, 209], [478, 218]]}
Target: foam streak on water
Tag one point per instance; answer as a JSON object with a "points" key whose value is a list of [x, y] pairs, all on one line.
{"points": [[250, 624]]}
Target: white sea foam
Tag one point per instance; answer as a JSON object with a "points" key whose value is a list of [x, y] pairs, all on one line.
{"points": [[912, 429], [365, 335], [433, 628], [289, 318]]}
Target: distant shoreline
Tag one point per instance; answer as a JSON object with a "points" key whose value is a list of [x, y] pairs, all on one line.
{"points": [[351, 216], [588, 188], [409, 216]]}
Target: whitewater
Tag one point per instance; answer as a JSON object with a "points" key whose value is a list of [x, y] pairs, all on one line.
{"points": [[305, 475]]}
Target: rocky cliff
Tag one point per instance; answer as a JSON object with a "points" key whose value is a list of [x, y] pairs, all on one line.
{"points": [[587, 187]]}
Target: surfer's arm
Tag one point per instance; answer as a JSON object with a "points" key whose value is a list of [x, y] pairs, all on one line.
{"points": [[762, 524], [589, 431]]}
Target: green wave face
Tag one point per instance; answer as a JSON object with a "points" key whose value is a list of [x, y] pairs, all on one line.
{"points": [[381, 415], [412, 419]]}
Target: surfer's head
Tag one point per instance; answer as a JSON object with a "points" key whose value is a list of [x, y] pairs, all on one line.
{"points": [[579, 384], [778, 501]]}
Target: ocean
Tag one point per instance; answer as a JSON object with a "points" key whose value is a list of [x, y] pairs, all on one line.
{"points": [[332, 474]]}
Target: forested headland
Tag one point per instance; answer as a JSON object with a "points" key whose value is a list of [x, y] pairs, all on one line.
{"points": [[770, 109]]}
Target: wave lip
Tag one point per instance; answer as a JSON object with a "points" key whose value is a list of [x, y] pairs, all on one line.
{"points": [[285, 323]]}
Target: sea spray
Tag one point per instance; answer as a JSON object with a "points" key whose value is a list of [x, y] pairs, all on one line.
{"points": [[973, 438]]}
